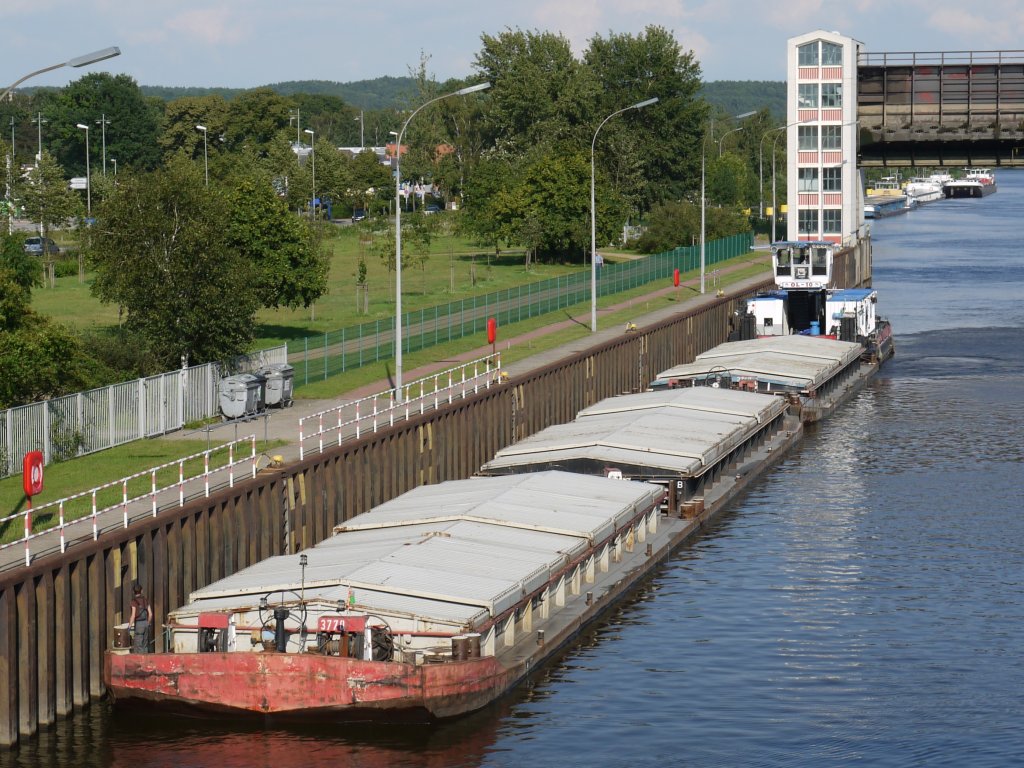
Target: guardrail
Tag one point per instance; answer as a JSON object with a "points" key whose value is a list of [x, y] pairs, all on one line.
{"points": [[369, 413], [93, 511]]}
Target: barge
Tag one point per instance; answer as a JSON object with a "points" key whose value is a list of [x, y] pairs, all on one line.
{"points": [[680, 439], [976, 182], [805, 303], [815, 376], [440, 601]]}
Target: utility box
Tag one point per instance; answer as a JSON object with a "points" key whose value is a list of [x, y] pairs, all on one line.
{"points": [[241, 395], [279, 378]]}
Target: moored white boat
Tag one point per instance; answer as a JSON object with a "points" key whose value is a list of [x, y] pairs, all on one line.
{"points": [[924, 189]]}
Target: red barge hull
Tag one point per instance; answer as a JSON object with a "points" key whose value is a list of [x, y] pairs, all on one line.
{"points": [[309, 685]]}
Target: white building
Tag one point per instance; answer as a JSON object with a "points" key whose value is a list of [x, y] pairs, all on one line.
{"points": [[825, 197]]}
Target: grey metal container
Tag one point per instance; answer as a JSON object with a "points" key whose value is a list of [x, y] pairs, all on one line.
{"points": [[241, 395], [279, 378]]}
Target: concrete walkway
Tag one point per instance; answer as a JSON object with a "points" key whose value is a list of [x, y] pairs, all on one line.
{"points": [[283, 424]]}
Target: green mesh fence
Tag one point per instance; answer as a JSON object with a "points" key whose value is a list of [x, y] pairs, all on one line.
{"points": [[319, 357]]}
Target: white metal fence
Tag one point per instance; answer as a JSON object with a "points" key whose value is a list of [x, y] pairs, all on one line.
{"points": [[71, 514], [85, 422], [351, 419]]}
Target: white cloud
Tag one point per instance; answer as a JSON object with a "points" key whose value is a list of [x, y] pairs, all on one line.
{"points": [[577, 21], [214, 26]]}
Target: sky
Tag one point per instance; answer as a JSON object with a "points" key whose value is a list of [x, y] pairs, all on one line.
{"points": [[247, 43]]}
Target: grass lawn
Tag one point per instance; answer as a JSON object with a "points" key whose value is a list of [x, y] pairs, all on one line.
{"points": [[455, 269]]}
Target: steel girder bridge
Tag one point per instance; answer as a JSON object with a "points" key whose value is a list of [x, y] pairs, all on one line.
{"points": [[954, 108]]}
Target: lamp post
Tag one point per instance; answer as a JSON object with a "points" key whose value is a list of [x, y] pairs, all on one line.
{"points": [[114, 161], [298, 128], [39, 120], [10, 178], [206, 162], [88, 181], [78, 61], [703, 199], [312, 154], [775, 212], [362, 142], [760, 169], [721, 141], [103, 123], [593, 210], [398, 227]]}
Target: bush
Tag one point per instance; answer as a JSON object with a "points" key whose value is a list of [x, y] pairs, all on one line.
{"points": [[66, 268]]}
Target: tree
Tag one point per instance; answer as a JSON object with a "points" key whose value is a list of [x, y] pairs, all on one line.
{"points": [[24, 269], [557, 191], [181, 117], [46, 197], [288, 268], [729, 181], [666, 137], [369, 181], [418, 232], [131, 135], [39, 358], [160, 250], [42, 359], [493, 203], [673, 224], [256, 120], [540, 94]]}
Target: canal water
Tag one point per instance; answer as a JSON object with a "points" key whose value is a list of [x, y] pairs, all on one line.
{"points": [[863, 604]]}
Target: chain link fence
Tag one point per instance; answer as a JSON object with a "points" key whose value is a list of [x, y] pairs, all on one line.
{"points": [[319, 357]]}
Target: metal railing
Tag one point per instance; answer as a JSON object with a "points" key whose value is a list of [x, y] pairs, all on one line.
{"points": [[351, 419], [937, 58], [88, 509]]}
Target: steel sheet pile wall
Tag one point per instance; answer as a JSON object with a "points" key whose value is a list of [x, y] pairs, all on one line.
{"points": [[57, 617]]}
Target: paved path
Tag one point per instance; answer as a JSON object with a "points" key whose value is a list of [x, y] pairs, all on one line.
{"points": [[282, 424]]}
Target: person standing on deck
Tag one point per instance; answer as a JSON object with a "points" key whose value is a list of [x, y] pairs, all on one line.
{"points": [[141, 618]]}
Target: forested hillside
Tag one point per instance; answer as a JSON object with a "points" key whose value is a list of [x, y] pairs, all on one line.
{"points": [[739, 96], [732, 96], [380, 93]]}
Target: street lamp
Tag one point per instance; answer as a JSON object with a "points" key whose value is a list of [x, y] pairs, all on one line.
{"points": [[312, 154], [103, 122], [297, 117], [703, 199], [760, 165], [362, 143], [593, 211], [39, 120], [775, 212], [78, 61], [88, 181], [206, 162], [398, 227], [10, 178], [760, 169], [114, 161], [721, 141]]}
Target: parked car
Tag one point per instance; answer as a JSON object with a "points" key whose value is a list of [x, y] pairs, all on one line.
{"points": [[432, 208], [358, 214], [35, 245]]}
